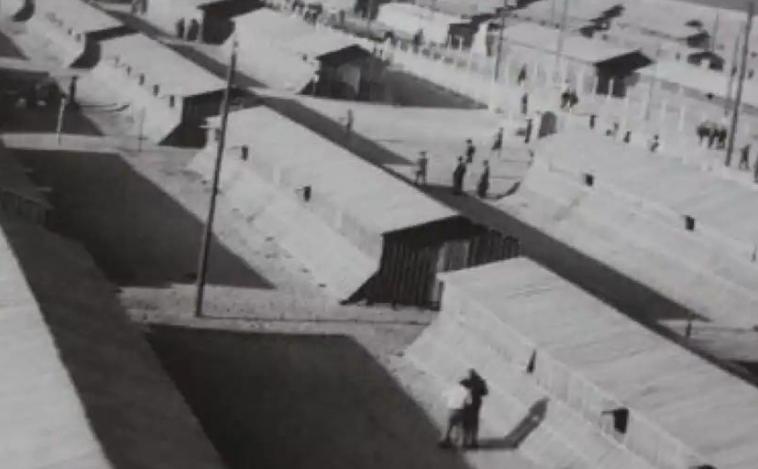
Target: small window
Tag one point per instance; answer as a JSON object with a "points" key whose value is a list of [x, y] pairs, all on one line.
{"points": [[620, 418], [689, 223], [589, 180]]}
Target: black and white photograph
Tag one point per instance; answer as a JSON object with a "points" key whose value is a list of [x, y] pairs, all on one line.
{"points": [[378, 234]]}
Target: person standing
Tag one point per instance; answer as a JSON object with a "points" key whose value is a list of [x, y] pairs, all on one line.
{"points": [[458, 175], [422, 165], [470, 151], [72, 91], [193, 32], [528, 131], [179, 28], [521, 75], [497, 143], [525, 103], [458, 400], [655, 143], [477, 388], [484, 181], [745, 158]]}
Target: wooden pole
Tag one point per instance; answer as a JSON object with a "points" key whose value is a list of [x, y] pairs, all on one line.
{"points": [[740, 85], [59, 124], [208, 228], [143, 115], [732, 73], [499, 55], [559, 50]]}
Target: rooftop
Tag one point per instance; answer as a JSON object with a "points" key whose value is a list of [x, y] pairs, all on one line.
{"points": [[708, 410], [161, 65], [377, 200], [576, 47], [83, 17]]}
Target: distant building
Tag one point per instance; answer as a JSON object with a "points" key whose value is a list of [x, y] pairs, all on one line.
{"points": [[168, 96], [73, 32], [286, 52], [584, 58]]}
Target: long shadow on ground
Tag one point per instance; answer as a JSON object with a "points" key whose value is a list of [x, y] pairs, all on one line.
{"points": [[289, 401], [137, 233], [136, 413]]}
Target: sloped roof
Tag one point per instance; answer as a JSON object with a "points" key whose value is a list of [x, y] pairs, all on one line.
{"points": [[161, 65], [79, 385], [13, 179], [77, 14], [709, 411], [378, 201], [574, 46], [698, 78]]}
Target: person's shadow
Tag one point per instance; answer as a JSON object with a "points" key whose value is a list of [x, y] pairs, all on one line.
{"points": [[521, 431]]}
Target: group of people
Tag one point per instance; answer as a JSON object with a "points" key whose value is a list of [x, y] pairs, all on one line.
{"points": [[464, 403], [189, 32], [459, 173], [569, 98], [713, 134]]}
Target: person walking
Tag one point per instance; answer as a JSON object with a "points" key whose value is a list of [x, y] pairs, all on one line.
{"points": [[484, 181], [470, 151], [422, 165], [457, 399], [497, 143], [745, 158], [525, 103], [477, 388], [458, 175]]}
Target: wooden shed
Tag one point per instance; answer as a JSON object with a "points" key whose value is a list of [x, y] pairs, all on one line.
{"points": [[365, 234]]}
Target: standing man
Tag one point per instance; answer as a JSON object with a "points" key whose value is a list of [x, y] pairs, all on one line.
{"points": [[458, 175], [484, 181], [525, 103], [457, 399], [528, 131], [180, 26], [421, 166], [654, 143], [470, 151], [521, 75], [745, 158], [72, 90], [477, 389], [497, 143]]}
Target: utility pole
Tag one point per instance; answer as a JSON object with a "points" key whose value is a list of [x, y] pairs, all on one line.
{"points": [[740, 85], [208, 229], [714, 34], [653, 80], [732, 71], [59, 124], [499, 55], [561, 34]]}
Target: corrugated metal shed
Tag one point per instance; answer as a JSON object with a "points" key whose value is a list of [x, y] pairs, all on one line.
{"points": [[710, 413], [175, 74], [378, 201]]}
